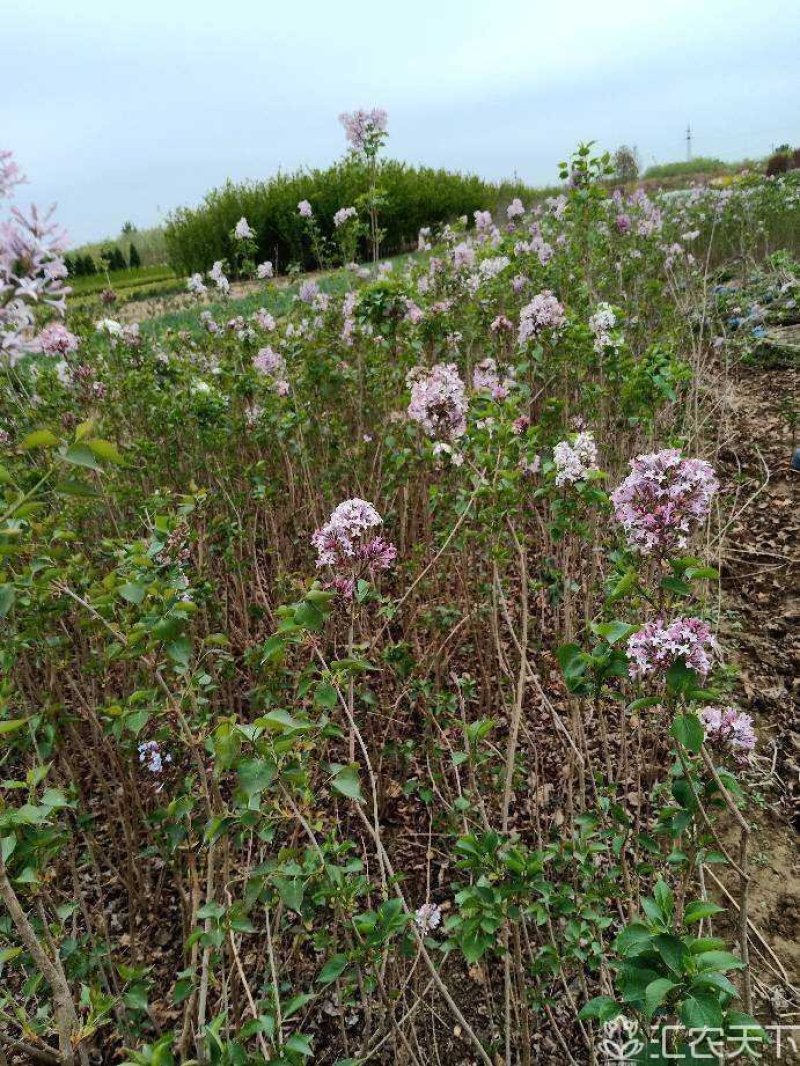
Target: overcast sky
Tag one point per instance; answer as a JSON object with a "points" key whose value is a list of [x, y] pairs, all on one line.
{"points": [[125, 110]]}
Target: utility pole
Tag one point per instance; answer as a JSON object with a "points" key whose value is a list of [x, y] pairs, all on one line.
{"points": [[688, 142]]}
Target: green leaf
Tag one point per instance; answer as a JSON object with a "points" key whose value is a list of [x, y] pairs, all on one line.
{"points": [[680, 678], [655, 994], [688, 730], [255, 775], [695, 912], [133, 592], [105, 450], [179, 650], [332, 969], [718, 960], [40, 438], [611, 632], [12, 725], [296, 1003], [598, 1007], [346, 781], [673, 951], [280, 721], [300, 1043], [701, 1010], [81, 455], [712, 979], [7, 596]]}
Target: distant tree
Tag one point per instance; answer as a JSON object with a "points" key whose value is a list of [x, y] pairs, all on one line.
{"points": [[778, 163], [89, 266], [69, 263], [134, 259], [626, 164], [118, 259], [128, 228]]}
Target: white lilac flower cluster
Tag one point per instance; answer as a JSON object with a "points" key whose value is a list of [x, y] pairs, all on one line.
{"points": [[575, 460], [427, 918], [243, 231], [151, 757], [343, 215], [601, 323]]}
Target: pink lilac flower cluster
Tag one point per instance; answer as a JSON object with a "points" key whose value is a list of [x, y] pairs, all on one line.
{"points": [[656, 647], [728, 727], [414, 314], [243, 230], [544, 312], [343, 215], [515, 209], [10, 173], [362, 128], [463, 256], [304, 209], [308, 291], [485, 378], [347, 544], [263, 319], [348, 313], [196, 285], [438, 400], [271, 363], [662, 499], [501, 324], [32, 270], [483, 221], [56, 339], [208, 323], [575, 460]]}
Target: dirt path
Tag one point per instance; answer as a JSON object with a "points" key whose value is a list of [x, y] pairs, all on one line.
{"points": [[761, 623]]}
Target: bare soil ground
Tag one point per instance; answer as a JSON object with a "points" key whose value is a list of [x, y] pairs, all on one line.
{"points": [[761, 628]]}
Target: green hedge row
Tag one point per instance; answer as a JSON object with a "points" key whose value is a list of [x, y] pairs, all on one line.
{"points": [[415, 197]]}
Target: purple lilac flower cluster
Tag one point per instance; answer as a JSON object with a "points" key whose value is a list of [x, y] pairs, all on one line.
{"points": [[438, 400], [347, 545], [363, 127], [56, 339], [485, 378], [32, 270], [271, 364], [542, 313], [656, 647], [728, 727], [662, 499]]}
